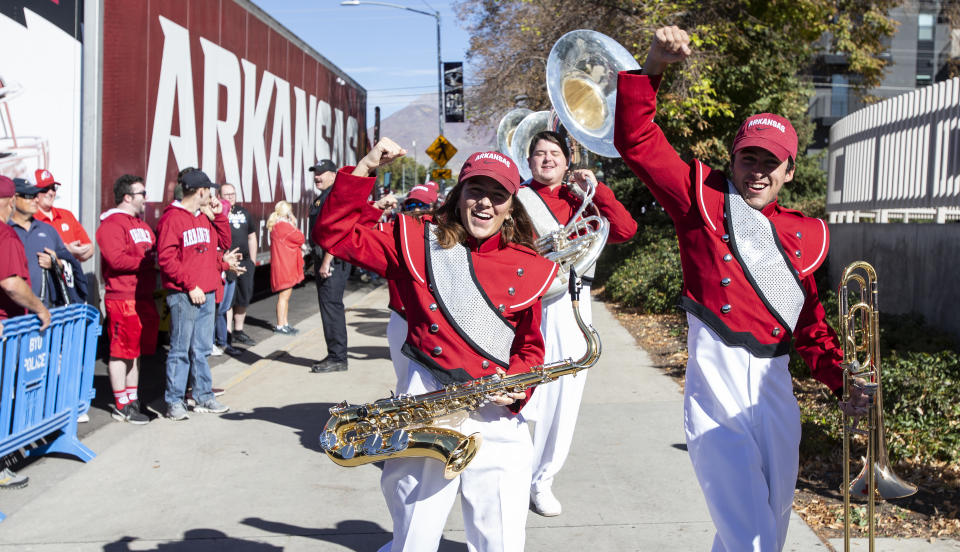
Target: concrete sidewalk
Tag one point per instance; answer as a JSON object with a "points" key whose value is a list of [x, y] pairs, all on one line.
{"points": [[255, 480]]}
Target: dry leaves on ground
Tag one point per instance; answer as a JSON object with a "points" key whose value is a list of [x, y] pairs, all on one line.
{"points": [[934, 512]]}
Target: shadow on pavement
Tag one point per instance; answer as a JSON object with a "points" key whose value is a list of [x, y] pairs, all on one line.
{"points": [[378, 313], [307, 418], [366, 353], [197, 540], [373, 329], [354, 534]]}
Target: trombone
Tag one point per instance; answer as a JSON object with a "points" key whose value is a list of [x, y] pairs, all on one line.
{"points": [[859, 336]]}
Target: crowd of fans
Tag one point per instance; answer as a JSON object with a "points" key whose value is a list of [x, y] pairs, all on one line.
{"points": [[203, 254]]}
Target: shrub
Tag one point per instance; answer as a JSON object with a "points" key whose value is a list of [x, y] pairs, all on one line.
{"points": [[650, 277], [922, 414], [920, 370]]}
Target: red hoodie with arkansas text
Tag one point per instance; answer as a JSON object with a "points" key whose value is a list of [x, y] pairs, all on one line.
{"points": [[187, 248], [128, 253]]}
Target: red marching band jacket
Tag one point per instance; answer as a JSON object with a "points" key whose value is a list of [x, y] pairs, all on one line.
{"points": [[717, 289], [512, 277], [564, 204]]}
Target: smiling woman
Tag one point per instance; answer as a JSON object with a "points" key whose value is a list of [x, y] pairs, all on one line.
{"points": [[471, 293], [479, 207]]}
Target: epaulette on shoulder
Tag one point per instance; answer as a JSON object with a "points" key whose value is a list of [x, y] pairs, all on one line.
{"points": [[794, 212], [522, 248]]}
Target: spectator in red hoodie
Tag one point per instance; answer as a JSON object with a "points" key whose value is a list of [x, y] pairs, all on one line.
{"points": [[286, 261], [128, 255], [188, 234]]}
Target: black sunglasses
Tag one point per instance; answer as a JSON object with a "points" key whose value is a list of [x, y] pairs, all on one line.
{"points": [[27, 196], [141, 192]]}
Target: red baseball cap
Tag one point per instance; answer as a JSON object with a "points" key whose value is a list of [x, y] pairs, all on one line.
{"points": [[7, 187], [426, 192], [495, 165], [770, 132], [44, 178]]}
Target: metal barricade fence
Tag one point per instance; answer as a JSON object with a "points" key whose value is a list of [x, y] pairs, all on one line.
{"points": [[46, 380]]}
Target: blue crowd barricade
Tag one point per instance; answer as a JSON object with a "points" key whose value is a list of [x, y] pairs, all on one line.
{"points": [[46, 380]]}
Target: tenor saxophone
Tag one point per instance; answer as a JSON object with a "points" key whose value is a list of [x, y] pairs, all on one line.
{"points": [[405, 425]]}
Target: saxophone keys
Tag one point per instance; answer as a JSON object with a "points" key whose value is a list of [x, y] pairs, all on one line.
{"points": [[328, 440], [372, 444], [347, 451], [399, 440]]}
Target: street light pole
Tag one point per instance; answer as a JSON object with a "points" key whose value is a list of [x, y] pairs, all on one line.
{"points": [[435, 15]]}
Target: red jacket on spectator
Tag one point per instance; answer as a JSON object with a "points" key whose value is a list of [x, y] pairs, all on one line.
{"points": [[128, 252], [187, 248], [286, 259], [13, 262]]}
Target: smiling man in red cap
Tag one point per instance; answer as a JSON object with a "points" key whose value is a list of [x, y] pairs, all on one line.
{"points": [[62, 220], [749, 292]]}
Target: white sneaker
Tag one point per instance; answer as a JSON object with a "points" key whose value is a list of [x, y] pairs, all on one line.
{"points": [[216, 351], [544, 503], [83, 418]]}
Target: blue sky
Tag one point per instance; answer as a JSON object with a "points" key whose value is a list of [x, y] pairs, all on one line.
{"points": [[391, 52]]}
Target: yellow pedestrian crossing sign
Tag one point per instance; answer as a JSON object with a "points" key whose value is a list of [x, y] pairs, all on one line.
{"points": [[441, 151], [441, 174]]}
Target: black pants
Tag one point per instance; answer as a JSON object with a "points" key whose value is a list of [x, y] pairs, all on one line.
{"points": [[332, 314]]}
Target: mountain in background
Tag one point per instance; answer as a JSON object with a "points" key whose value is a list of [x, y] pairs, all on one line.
{"points": [[418, 121]]}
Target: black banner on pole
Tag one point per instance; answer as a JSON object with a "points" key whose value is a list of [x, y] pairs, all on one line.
{"points": [[453, 91]]}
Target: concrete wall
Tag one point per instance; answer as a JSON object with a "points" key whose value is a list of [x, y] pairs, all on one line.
{"points": [[917, 266]]}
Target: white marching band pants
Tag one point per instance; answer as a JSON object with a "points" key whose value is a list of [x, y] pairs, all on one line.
{"points": [[554, 406], [743, 436], [396, 336], [494, 486]]}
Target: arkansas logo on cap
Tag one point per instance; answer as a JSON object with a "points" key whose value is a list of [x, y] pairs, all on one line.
{"points": [[770, 132], [494, 165]]}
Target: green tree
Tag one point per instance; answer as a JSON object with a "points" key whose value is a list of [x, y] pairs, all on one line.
{"points": [[405, 173], [750, 56]]}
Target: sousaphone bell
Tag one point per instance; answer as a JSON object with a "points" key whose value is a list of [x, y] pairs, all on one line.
{"points": [[582, 83], [508, 127], [581, 78]]}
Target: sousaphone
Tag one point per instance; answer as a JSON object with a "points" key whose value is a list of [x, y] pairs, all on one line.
{"points": [[582, 84], [535, 122], [508, 127]]}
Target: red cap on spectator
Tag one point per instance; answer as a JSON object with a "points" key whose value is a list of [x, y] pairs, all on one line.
{"points": [[495, 165], [426, 192], [44, 178], [770, 132], [7, 187]]}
